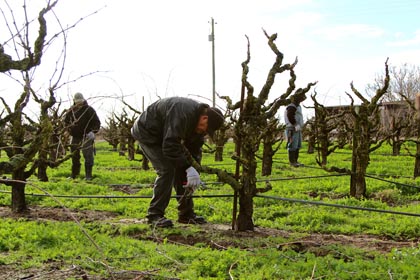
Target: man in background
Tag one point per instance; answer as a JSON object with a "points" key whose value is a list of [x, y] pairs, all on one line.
{"points": [[294, 122], [82, 123]]}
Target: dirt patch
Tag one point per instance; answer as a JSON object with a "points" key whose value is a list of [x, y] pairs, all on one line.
{"points": [[222, 237], [56, 214], [56, 271], [366, 242], [50, 271]]}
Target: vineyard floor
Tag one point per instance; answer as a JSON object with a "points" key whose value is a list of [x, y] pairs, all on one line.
{"points": [[312, 242]]}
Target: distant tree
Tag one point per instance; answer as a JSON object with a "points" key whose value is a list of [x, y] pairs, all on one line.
{"points": [[404, 122], [110, 133], [273, 138], [398, 123], [308, 133], [403, 86], [324, 127], [127, 142], [225, 132], [366, 129], [130, 123]]}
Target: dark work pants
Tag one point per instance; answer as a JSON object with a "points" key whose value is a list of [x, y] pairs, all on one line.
{"points": [[168, 175], [185, 204], [86, 146]]}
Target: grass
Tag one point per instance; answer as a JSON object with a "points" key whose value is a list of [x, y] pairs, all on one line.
{"points": [[120, 242]]}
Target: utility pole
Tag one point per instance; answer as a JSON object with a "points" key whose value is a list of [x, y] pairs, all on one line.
{"points": [[211, 39]]}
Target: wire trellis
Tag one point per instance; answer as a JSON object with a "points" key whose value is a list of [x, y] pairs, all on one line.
{"points": [[292, 200]]}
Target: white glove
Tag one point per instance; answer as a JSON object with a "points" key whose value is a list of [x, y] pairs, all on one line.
{"points": [[193, 178], [298, 128], [90, 136]]}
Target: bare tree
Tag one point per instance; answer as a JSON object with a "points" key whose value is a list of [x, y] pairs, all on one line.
{"points": [[225, 132], [131, 141], [111, 132], [20, 147], [324, 125], [366, 135], [127, 142], [401, 118], [52, 151], [273, 135], [308, 133], [397, 123], [403, 86], [26, 137], [250, 127]]}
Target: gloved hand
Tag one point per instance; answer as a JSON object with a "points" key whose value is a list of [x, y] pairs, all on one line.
{"points": [[90, 136], [193, 178], [298, 128]]}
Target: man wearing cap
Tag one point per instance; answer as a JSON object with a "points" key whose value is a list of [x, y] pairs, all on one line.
{"points": [[164, 130], [82, 123]]}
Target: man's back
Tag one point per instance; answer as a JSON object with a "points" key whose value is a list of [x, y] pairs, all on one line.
{"points": [[81, 119]]}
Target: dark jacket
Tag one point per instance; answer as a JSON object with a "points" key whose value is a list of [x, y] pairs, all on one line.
{"points": [[82, 119], [169, 124]]}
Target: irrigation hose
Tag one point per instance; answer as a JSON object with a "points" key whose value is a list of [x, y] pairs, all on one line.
{"points": [[338, 205], [388, 181], [318, 203], [221, 183]]}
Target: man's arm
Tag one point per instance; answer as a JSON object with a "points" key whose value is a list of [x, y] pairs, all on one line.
{"points": [[96, 123]]}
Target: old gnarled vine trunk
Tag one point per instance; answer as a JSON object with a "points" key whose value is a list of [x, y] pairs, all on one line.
{"points": [[251, 128]]}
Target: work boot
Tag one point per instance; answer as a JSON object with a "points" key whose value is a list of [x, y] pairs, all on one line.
{"points": [[75, 171], [292, 159], [296, 158], [194, 219], [160, 222], [88, 172]]}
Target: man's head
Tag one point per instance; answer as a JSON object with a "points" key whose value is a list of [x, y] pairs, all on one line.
{"points": [[210, 121], [78, 98]]}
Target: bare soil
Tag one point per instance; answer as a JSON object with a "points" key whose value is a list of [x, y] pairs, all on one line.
{"points": [[226, 238]]}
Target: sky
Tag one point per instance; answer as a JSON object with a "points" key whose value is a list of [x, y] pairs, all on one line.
{"points": [[144, 50]]}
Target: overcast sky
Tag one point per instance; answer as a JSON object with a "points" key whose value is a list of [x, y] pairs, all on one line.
{"points": [[161, 47]]}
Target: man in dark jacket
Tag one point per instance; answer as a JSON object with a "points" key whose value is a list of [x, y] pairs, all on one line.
{"points": [[82, 123], [164, 131]]}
